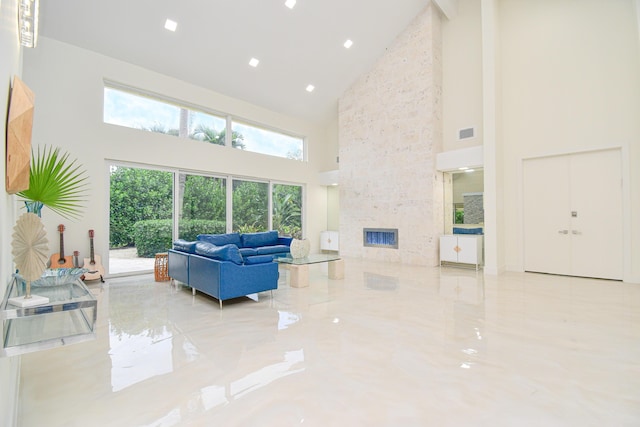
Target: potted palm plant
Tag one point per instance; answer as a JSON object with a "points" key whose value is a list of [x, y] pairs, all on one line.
{"points": [[56, 182]]}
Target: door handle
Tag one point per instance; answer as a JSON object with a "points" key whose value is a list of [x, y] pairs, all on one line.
{"points": [[563, 231], [576, 232]]}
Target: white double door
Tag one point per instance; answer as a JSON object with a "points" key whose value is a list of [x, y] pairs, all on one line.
{"points": [[573, 215]]}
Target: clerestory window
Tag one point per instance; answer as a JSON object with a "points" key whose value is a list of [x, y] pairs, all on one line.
{"points": [[148, 112]]}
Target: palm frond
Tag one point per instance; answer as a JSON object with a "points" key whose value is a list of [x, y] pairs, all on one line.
{"points": [[57, 182]]}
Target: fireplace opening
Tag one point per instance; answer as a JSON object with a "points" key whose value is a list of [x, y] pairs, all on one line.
{"points": [[380, 237]]}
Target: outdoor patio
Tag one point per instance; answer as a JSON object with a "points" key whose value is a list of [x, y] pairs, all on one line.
{"points": [[127, 261]]}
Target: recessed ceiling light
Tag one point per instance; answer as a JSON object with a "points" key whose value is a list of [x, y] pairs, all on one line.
{"points": [[170, 25], [310, 88], [254, 62], [469, 170], [290, 3], [463, 168], [348, 44]]}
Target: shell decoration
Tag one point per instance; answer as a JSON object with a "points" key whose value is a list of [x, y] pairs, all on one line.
{"points": [[30, 246]]}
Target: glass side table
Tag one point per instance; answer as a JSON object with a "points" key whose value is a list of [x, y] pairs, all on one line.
{"points": [[69, 317]]}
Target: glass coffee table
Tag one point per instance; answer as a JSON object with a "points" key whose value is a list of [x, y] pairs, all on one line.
{"points": [[299, 267]]}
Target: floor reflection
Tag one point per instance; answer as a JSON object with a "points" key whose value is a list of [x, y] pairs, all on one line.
{"points": [[135, 358], [464, 290], [268, 374], [388, 345], [287, 319]]}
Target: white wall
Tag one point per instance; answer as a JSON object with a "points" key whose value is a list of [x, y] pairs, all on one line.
{"points": [[462, 76], [10, 65], [331, 147], [555, 76], [68, 86], [571, 83], [333, 208], [493, 148]]}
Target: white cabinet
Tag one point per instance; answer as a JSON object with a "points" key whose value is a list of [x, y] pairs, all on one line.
{"points": [[329, 241], [466, 249]]}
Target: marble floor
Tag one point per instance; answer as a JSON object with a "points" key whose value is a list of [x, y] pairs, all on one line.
{"points": [[389, 345]]}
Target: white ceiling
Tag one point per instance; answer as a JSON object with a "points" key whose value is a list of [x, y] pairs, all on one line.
{"points": [[216, 39]]}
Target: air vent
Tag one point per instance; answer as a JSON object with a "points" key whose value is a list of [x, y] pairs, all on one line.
{"points": [[466, 133]]}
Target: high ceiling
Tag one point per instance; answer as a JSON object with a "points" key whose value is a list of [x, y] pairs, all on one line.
{"points": [[215, 39]]}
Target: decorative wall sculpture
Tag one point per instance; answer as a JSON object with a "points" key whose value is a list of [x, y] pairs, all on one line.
{"points": [[19, 127]]}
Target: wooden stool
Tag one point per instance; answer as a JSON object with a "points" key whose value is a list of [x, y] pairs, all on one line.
{"points": [[162, 267]]}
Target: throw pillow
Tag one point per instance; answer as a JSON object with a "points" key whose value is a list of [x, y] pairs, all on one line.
{"points": [[221, 253], [184, 246]]}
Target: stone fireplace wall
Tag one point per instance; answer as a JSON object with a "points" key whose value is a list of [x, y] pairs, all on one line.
{"points": [[390, 130]]}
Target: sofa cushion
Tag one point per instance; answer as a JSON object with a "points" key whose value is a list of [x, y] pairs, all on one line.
{"points": [[184, 246], [220, 253], [221, 239], [285, 240], [256, 240], [258, 259], [266, 250], [248, 252]]}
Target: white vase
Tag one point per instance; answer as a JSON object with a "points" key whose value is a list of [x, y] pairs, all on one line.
{"points": [[299, 248]]}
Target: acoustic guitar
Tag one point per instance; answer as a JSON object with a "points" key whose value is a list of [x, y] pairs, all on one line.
{"points": [[59, 260], [93, 264]]}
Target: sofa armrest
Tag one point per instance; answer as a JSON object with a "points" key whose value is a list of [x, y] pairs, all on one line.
{"points": [[247, 279], [178, 265]]}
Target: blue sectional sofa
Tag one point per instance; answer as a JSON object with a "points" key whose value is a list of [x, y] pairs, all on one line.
{"points": [[227, 266]]}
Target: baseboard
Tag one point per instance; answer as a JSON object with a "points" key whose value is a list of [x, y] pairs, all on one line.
{"points": [[632, 279], [494, 271]]}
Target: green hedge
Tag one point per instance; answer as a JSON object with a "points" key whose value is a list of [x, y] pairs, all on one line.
{"points": [[154, 236], [191, 228]]}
